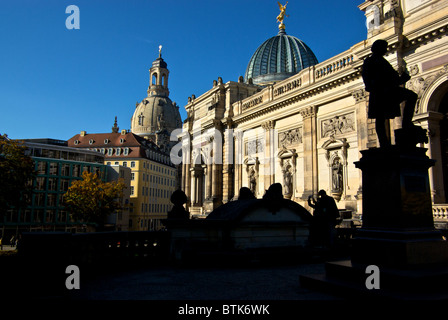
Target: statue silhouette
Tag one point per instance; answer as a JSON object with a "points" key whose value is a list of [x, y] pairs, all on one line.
{"points": [[178, 199], [386, 93], [246, 194]]}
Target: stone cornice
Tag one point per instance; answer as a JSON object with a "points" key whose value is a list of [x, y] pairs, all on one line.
{"points": [[321, 85], [427, 34]]}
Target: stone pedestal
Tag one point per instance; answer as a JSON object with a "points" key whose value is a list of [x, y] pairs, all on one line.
{"points": [[398, 226], [397, 234]]}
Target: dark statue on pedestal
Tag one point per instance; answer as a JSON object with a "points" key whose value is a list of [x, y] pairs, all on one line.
{"points": [[386, 93], [397, 236]]}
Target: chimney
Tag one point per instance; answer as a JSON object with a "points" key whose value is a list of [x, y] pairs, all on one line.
{"points": [[83, 133]]}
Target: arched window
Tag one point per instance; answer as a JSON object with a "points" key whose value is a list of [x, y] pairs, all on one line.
{"points": [[154, 78], [140, 119]]}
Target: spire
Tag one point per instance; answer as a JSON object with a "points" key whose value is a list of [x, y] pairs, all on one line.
{"points": [[115, 127], [160, 51]]}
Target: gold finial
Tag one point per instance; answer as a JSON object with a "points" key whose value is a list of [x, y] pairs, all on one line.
{"points": [[281, 16]]}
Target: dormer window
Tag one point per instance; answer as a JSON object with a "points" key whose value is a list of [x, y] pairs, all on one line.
{"points": [[118, 151], [106, 141], [76, 142], [126, 151], [91, 141], [122, 140]]}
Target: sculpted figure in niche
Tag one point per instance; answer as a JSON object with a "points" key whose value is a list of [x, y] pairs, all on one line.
{"points": [[287, 180], [337, 183], [252, 181]]}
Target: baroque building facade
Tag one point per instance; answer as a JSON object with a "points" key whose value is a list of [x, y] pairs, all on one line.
{"points": [[304, 127], [152, 175], [145, 150]]}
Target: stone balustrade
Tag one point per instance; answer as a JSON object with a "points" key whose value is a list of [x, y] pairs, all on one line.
{"points": [[330, 67], [440, 211]]}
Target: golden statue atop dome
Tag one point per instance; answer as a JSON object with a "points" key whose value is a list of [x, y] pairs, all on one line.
{"points": [[281, 16]]}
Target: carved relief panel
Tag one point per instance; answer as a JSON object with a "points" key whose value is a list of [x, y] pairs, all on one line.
{"points": [[290, 137], [338, 125]]}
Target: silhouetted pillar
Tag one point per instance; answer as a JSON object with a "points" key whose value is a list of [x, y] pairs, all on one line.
{"points": [[398, 226]]}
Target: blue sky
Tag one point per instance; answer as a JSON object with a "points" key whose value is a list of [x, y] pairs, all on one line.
{"points": [[55, 82]]}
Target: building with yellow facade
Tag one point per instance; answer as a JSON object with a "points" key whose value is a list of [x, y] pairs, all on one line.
{"points": [[145, 149], [153, 177]]}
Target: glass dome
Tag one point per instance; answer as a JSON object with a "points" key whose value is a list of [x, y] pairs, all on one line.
{"points": [[279, 58]]}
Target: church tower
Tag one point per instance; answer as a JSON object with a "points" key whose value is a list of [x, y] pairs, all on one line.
{"points": [[156, 116]]}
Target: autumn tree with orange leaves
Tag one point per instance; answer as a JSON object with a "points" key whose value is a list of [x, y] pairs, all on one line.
{"points": [[16, 175], [92, 200]]}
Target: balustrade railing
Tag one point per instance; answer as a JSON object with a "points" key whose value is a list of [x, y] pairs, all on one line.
{"points": [[440, 211], [325, 69]]}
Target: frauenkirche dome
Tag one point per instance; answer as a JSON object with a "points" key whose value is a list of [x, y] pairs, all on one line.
{"points": [[156, 113]]}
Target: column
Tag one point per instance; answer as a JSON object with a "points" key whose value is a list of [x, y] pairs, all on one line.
{"points": [[238, 161], [186, 171], [432, 124], [362, 125], [310, 174], [269, 153], [228, 165]]}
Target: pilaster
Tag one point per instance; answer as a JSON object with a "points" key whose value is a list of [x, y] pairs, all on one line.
{"points": [[310, 174]]}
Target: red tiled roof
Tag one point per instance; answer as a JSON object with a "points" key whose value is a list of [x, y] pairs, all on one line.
{"points": [[137, 145], [98, 140]]}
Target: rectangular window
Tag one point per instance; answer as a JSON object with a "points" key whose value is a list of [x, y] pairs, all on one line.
{"points": [[132, 190], [52, 184], [65, 184], [125, 164], [39, 199], [62, 216], [132, 176], [76, 170], [42, 167], [51, 200], [54, 168], [41, 183], [49, 217], [38, 216], [132, 164], [65, 170]]}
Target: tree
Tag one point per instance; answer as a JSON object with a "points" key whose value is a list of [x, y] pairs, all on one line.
{"points": [[16, 174], [92, 200]]}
